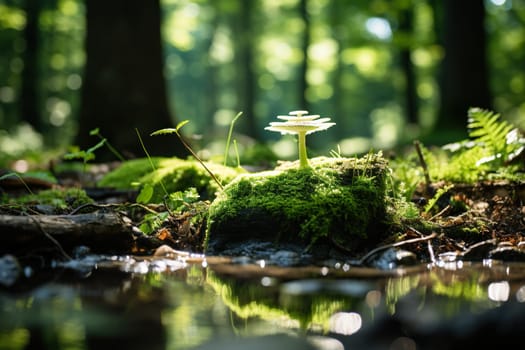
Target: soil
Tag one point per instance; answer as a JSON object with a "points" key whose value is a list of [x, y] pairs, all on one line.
{"points": [[475, 222]]}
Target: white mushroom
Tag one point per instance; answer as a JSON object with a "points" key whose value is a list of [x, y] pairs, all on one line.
{"points": [[302, 125]]}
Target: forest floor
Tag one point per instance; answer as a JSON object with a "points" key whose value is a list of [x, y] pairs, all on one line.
{"points": [[476, 222], [471, 222]]}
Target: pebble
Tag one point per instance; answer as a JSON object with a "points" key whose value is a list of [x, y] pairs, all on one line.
{"points": [[9, 270], [507, 253]]}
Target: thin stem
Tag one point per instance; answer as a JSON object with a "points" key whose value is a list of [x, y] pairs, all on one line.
{"points": [[185, 144], [227, 150], [150, 161], [303, 157], [422, 161]]}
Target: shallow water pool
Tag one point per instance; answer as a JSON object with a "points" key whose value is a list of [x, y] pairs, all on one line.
{"points": [[197, 302]]}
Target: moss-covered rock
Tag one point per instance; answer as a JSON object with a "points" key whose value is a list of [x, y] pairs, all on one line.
{"points": [[340, 201], [174, 173]]}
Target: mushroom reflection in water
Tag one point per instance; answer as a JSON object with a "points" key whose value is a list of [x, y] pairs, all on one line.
{"points": [[299, 123]]}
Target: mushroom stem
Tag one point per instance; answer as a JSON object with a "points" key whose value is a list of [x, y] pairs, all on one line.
{"points": [[303, 157]]}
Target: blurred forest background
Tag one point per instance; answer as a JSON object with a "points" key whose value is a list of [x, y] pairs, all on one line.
{"points": [[386, 71]]}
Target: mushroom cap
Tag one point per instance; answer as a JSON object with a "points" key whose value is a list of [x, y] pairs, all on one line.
{"points": [[291, 118], [295, 127], [299, 113]]}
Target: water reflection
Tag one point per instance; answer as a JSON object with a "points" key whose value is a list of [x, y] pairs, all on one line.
{"points": [[154, 303], [499, 291], [345, 323]]}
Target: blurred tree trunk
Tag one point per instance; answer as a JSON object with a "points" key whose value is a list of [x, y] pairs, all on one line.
{"points": [[29, 102], [464, 78], [338, 19], [406, 28], [244, 57], [303, 69], [124, 85]]}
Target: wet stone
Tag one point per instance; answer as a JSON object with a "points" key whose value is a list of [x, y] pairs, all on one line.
{"points": [[9, 270], [507, 253], [283, 254], [392, 258], [479, 251]]}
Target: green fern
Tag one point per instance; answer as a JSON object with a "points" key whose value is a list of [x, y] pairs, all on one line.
{"points": [[494, 134]]}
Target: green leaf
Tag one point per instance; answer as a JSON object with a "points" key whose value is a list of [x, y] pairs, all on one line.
{"points": [[41, 175], [8, 175], [145, 194], [181, 124], [75, 155], [97, 146], [151, 222], [440, 192], [191, 195], [487, 128], [165, 131], [94, 132]]}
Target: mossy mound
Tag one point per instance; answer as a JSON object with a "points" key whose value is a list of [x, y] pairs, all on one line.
{"points": [[175, 174], [340, 201]]}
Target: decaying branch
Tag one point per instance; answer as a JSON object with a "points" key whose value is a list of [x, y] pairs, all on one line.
{"points": [[103, 232]]}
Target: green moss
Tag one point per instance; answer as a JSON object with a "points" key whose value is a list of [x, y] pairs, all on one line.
{"points": [[59, 200], [341, 200], [176, 175]]}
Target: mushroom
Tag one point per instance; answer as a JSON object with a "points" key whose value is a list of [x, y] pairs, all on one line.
{"points": [[301, 124]]}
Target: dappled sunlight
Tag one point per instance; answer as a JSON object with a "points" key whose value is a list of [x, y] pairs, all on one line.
{"points": [[12, 18], [20, 140], [387, 125], [285, 148], [324, 52], [7, 94], [221, 50], [354, 145], [351, 58], [379, 27], [368, 61], [59, 111], [279, 57], [507, 4], [181, 24]]}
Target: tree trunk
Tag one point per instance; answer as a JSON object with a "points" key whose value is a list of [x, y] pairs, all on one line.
{"points": [[464, 74], [247, 75], [124, 85], [29, 102], [303, 69], [406, 27]]}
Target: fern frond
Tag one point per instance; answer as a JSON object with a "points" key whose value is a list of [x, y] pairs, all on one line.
{"points": [[487, 128]]}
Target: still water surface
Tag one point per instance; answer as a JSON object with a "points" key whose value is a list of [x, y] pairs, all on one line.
{"points": [[190, 302]]}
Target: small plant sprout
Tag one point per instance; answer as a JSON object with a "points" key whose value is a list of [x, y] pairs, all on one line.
{"points": [[301, 124]]}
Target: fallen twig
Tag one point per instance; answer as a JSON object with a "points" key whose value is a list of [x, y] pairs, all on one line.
{"points": [[394, 245]]}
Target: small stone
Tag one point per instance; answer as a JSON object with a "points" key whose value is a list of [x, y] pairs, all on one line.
{"points": [[392, 258], [479, 251], [284, 258], [9, 270], [507, 253]]}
